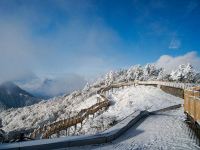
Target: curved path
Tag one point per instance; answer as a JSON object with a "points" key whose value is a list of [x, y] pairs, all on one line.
{"points": [[166, 130]]}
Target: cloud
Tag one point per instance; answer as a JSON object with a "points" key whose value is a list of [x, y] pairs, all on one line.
{"points": [[175, 43], [16, 51], [63, 39], [58, 36], [169, 63], [53, 86]]}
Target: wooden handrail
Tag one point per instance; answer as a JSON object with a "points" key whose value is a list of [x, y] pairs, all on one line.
{"points": [[58, 126], [192, 103], [84, 113], [48, 130]]}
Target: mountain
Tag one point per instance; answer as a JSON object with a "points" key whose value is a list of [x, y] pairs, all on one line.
{"points": [[68, 105], [13, 96], [48, 87]]}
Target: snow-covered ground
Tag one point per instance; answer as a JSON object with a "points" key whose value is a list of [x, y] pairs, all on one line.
{"points": [[124, 102], [129, 100], [44, 112], [166, 130]]}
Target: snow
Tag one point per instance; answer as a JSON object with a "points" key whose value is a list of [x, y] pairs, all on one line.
{"points": [[124, 102], [166, 130], [127, 101], [43, 112], [184, 73], [139, 98]]}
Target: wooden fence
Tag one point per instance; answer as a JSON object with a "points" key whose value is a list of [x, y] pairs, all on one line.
{"points": [[191, 107], [102, 102], [192, 103], [47, 130]]}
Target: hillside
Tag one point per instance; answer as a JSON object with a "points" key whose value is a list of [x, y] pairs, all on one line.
{"points": [[11, 96], [124, 101]]}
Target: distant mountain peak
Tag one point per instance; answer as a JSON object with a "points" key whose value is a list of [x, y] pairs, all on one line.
{"points": [[8, 84], [12, 95]]}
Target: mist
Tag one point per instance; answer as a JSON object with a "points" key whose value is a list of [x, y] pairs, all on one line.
{"points": [[32, 42], [171, 63]]}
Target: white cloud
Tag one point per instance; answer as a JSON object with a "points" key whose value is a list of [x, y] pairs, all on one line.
{"points": [[53, 86], [169, 63], [76, 45], [16, 51], [175, 43]]}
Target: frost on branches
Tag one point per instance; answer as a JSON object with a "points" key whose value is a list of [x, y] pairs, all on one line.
{"points": [[86, 88], [184, 73], [135, 73], [65, 106], [109, 78]]}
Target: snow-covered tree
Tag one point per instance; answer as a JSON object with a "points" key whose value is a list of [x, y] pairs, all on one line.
{"points": [[151, 72], [130, 74], [109, 78], [86, 88], [163, 75], [197, 78], [112, 76], [120, 76], [184, 73], [135, 73]]}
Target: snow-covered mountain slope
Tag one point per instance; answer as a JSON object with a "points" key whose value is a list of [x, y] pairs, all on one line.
{"points": [[44, 112], [13, 96], [124, 102]]}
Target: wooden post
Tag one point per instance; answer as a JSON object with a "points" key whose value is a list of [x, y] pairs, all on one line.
{"points": [[58, 134], [66, 131], [197, 110], [81, 124], [75, 129]]}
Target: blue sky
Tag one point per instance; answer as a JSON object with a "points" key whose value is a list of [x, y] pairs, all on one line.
{"points": [[91, 37]]}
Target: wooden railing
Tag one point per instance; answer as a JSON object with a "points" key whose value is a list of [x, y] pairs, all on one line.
{"points": [[192, 103], [47, 130], [102, 102], [170, 84]]}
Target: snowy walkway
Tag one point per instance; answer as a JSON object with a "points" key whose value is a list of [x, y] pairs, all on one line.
{"points": [[165, 130]]}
